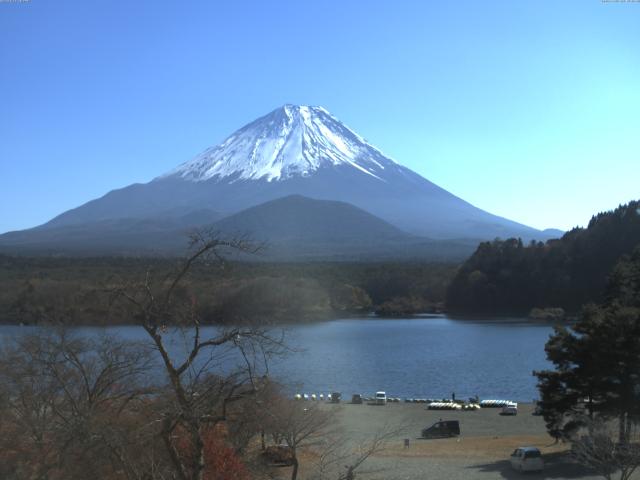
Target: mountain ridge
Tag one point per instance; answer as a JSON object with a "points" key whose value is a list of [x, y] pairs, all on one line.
{"points": [[293, 150]]}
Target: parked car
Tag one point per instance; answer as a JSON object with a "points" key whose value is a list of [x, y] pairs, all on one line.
{"points": [[356, 398], [510, 409], [527, 459], [279, 454], [381, 398], [335, 397], [442, 429]]}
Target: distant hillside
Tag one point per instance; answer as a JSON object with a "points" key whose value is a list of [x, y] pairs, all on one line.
{"points": [[292, 228], [296, 218], [300, 228], [507, 276], [123, 236]]}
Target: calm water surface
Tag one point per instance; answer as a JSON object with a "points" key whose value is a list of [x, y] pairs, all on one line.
{"points": [[416, 357]]}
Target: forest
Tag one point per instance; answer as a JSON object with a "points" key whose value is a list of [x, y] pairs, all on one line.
{"points": [[501, 277], [76, 291], [506, 276]]}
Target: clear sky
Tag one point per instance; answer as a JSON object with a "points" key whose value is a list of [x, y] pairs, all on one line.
{"points": [[527, 109]]}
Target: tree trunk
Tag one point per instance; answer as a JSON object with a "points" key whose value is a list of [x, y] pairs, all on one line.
{"points": [[622, 429], [166, 434], [198, 454], [294, 472]]}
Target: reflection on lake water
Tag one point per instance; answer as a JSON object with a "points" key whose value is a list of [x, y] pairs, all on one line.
{"points": [[417, 357]]}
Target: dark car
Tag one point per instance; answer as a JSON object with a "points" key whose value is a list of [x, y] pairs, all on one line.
{"points": [[356, 398], [443, 429], [335, 397], [278, 454]]}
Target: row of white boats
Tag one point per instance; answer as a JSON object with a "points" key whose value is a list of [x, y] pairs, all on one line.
{"points": [[332, 397], [433, 404]]}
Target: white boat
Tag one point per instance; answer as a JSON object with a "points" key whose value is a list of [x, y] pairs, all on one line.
{"points": [[496, 403], [444, 406]]}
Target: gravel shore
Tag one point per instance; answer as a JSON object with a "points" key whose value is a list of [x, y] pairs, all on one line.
{"points": [[481, 452]]}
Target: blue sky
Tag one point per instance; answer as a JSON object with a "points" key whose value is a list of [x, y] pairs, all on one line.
{"points": [[530, 110]]}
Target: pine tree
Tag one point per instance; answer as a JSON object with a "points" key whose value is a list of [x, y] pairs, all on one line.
{"points": [[597, 361]]}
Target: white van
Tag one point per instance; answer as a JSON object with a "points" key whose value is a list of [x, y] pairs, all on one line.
{"points": [[381, 398], [527, 459]]}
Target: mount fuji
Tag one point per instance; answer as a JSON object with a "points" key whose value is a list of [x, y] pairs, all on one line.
{"points": [[292, 151]]}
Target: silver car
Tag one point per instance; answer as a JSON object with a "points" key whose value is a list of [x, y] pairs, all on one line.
{"points": [[527, 459]]}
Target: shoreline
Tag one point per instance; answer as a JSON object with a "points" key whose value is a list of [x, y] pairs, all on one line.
{"points": [[480, 318]]}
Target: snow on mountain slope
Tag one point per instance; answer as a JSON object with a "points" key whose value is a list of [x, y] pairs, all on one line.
{"points": [[290, 141], [294, 150]]}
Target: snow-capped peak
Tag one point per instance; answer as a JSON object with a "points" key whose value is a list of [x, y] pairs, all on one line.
{"points": [[290, 141]]}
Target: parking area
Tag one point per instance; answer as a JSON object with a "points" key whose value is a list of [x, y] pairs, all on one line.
{"points": [[480, 452]]}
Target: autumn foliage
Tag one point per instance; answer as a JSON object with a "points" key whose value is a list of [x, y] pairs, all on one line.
{"points": [[221, 460]]}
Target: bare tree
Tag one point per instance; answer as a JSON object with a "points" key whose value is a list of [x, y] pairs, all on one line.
{"points": [[66, 401], [600, 451], [313, 428], [201, 387], [298, 425], [342, 460]]}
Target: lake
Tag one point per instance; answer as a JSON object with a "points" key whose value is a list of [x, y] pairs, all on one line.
{"points": [[421, 357]]}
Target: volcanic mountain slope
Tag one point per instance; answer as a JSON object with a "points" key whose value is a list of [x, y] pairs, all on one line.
{"points": [[291, 228], [298, 218], [297, 227], [293, 150], [111, 236]]}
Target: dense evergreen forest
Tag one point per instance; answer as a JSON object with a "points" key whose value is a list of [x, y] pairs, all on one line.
{"points": [[501, 277], [77, 290], [509, 277]]}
